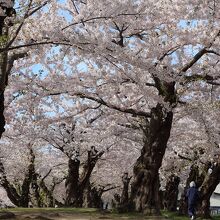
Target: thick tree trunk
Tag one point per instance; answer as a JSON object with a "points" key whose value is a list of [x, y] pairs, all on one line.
{"points": [[10, 189], [46, 196], [6, 10], [125, 181], [2, 118], [92, 197], [124, 199], [92, 159], [25, 189], [87, 197], [145, 188], [75, 184], [73, 194], [20, 199], [209, 184], [96, 198], [171, 193]]}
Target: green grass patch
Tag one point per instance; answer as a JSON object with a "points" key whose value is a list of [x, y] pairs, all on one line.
{"points": [[97, 213], [173, 215], [176, 216]]}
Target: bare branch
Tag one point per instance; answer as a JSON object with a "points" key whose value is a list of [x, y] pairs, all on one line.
{"points": [[75, 6], [36, 44], [99, 18], [167, 53], [196, 77], [202, 52], [194, 60], [47, 174], [26, 15]]}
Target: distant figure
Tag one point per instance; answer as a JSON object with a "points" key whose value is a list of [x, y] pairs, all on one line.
{"points": [[192, 195]]}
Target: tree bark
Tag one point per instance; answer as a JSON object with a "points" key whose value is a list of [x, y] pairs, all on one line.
{"points": [[124, 199], [171, 193], [88, 197], [25, 188], [2, 118], [20, 199], [145, 188], [207, 183], [75, 183], [46, 198], [73, 197], [9, 188], [94, 195], [208, 186], [6, 10]]}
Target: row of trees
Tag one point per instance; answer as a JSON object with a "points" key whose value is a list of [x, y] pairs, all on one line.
{"points": [[129, 74]]}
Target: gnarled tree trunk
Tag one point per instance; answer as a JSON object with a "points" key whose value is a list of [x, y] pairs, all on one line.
{"points": [[208, 186], [145, 188], [76, 184], [207, 183]]}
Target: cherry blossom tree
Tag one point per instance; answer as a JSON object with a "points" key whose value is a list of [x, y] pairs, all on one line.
{"points": [[24, 26], [141, 60], [195, 145]]}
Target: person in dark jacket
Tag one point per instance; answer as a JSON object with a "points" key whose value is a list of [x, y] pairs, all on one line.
{"points": [[192, 196]]}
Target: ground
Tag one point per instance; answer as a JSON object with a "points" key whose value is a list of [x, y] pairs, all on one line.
{"points": [[80, 214], [67, 214]]}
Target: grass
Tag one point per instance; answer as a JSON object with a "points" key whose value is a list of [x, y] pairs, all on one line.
{"points": [[96, 213], [175, 216], [49, 210], [75, 212]]}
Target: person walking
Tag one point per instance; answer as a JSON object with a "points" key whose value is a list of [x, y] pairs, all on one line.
{"points": [[192, 196]]}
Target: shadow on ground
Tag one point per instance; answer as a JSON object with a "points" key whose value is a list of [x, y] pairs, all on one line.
{"points": [[68, 215]]}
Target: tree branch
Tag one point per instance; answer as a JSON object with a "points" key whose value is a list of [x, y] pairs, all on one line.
{"points": [[167, 53], [35, 44], [99, 18], [196, 77], [202, 52], [120, 109], [194, 60], [47, 174], [75, 6]]}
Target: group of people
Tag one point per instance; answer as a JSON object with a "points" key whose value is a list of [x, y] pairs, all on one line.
{"points": [[192, 196]]}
